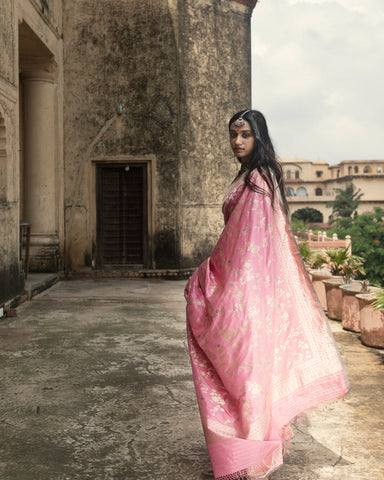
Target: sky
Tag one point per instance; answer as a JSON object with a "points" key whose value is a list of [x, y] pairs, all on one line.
{"points": [[318, 77]]}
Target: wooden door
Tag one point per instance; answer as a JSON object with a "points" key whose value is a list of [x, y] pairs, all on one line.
{"points": [[121, 215]]}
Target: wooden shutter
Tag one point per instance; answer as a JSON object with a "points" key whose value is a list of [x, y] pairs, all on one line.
{"points": [[121, 215]]}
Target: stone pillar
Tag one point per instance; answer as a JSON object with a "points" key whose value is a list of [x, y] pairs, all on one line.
{"points": [[215, 82], [40, 158]]}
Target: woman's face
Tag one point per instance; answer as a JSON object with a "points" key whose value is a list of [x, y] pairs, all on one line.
{"points": [[242, 141]]}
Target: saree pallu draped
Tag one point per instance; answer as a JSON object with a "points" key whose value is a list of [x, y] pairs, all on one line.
{"points": [[260, 346]]}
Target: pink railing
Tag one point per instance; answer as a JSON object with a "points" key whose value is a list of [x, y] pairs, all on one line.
{"points": [[320, 241]]}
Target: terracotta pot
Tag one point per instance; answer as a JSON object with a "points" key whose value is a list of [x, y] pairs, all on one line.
{"points": [[333, 297], [350, 315], [317, 277], [371, 322]]}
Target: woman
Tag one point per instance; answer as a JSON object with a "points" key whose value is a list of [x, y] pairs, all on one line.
{"points": [[260, 346]]}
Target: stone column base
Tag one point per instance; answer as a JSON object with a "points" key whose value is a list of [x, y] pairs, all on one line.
{"points": [[45, 253]]}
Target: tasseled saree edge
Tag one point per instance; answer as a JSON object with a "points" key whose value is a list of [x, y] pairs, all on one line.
{"points": [[258, 461], [274, 461]]}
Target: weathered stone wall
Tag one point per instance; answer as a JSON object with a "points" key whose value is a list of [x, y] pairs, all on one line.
{"points": [[7, 42], [40, 21], [181, 69], [11, 275], [119, 52], [215, 83], [11, 280]]}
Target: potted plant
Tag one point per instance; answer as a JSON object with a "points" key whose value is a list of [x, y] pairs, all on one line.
{"points": [[312, 260], [372, 317], [333, 297], [378, 299], [335, 259], [318, 274], [344, 269], [352, 268], [350, 315], [306, 254]]}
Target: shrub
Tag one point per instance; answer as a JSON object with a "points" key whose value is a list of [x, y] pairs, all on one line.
{"points": [[367, 233], [308, 215], [312, 258], [378, 300], [336, 258], [305, 251], [298, 225], [341, 263]]}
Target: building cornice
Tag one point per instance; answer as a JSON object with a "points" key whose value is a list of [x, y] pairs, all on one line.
{"points": [[354, 162], [377, 160], [287, 161], [295, 181], [350, 178], [298, 161], [344, 178]]}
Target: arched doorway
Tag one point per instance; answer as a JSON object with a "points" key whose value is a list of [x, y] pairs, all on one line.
{"points": [[308, 214]]}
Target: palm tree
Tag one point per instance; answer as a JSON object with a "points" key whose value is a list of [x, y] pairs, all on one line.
{"points": [[346, 201]]}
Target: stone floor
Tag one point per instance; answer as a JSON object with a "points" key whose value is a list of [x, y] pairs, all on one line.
{"points": [[95, 383]]}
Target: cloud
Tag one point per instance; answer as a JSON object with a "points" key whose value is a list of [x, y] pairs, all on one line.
{"points": [[317, 75]]}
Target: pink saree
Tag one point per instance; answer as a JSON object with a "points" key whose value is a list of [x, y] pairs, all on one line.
{"points": [[260, 346]]}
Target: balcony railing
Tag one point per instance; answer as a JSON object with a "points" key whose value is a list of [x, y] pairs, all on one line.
{"points": [[320, 241], [310, 198]]}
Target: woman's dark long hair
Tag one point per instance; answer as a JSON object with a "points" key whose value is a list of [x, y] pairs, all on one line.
{"points": [[263, 157]]}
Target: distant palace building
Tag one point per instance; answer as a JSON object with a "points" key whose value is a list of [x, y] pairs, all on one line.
{"points": [[313, 184]]}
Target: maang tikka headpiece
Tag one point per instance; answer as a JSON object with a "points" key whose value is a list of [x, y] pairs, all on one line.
{"points": [[240, 122]]}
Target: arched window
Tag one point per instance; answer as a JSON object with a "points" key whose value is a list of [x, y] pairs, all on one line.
{"points": [[356, 169], [289, 192], [338, 174], [3, 160], [379, 169], [288, 174], [301, 192], [367, 169], [297, 174], [349, 170], [318, 192]]}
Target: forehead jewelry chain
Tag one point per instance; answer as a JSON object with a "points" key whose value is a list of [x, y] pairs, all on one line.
{"points": [[240, 122]]}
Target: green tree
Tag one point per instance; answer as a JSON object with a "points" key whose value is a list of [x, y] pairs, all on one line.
{"points": [[367, 233], [298, 225], [308, 215], [346, 201]]}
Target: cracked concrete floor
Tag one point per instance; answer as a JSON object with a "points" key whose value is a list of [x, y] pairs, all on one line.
{"points": [[95, 383]]}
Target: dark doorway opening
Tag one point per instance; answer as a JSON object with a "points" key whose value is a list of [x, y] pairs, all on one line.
{"points": [[122, 235]]}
